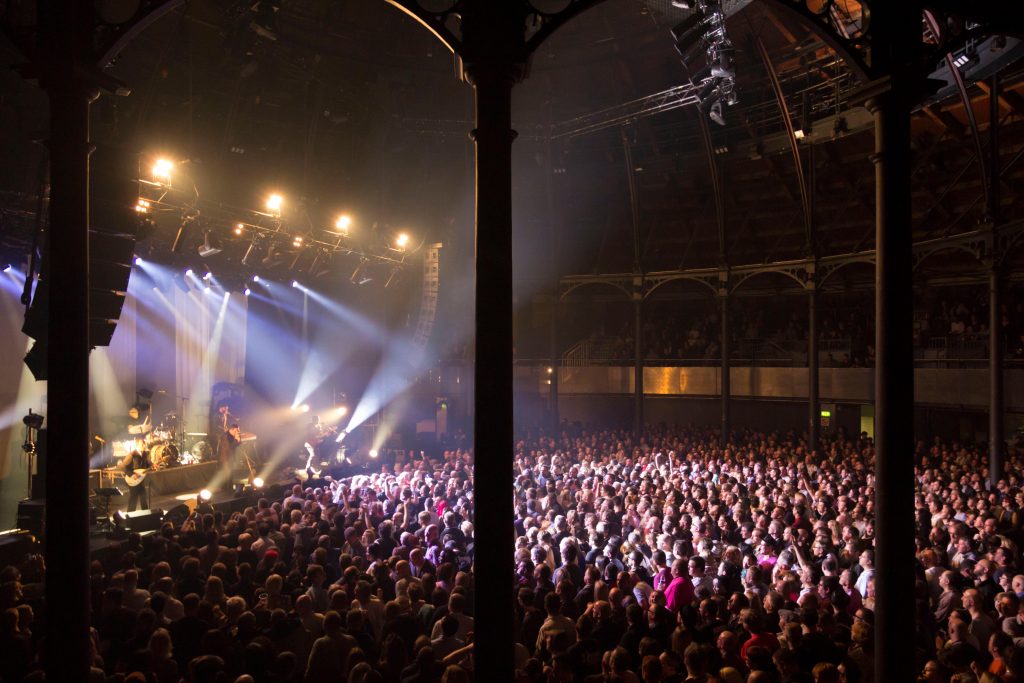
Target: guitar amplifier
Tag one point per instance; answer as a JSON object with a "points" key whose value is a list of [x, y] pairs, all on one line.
{"points": [[32, 516]]}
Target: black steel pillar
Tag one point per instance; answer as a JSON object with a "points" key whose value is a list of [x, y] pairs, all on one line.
{"points": [[813, 404], [67, 472], [995, 373], [638, 366], [493, 401], [894, 28], [723, 298], [553, 369], [996, 406]]}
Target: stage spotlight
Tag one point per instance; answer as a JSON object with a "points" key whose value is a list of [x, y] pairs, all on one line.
{"points": [[402, 240], [373, 453], [341, 436], [7, 268], [274, 203], [258, 482], [205, 495], [188, 272], [142, 206], [296, 285], [248, 291], [341, 411], [342, 224], [138, 261], [162, 169], [239, 229], [210, 246], [715, 114], [208, 275], [304, 408], [255, 278]]}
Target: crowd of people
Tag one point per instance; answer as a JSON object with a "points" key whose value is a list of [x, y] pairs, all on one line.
{"points": [[666, 560]]}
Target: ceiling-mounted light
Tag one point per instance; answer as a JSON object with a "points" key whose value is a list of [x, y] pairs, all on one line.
{"points": [[210, 246], [162, 169], [342, 224], [715, 113], [274, 203]]}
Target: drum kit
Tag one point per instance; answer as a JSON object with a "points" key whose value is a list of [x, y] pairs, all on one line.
{"points": [[162, 443]]}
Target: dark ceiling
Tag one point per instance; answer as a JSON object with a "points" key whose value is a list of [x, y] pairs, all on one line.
{"points": [[352, 106]]}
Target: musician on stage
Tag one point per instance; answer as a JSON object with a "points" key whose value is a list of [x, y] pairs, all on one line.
{"points": [[227, 445], [134, 466]]}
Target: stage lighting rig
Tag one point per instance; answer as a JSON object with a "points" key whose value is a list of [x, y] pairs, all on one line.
{"points": [[703, 34]]}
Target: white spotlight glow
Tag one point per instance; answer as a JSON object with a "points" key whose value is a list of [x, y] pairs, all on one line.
{"points": [[274, 202], [342, 223], [296, 285], [373, 453], [7, 268], [304, 408], [248, 291], [208, 275], [258, 482], [402, 240], [205, 494], [138, 261], [341, 411], [239, 229], [162, 168], [188, 272]]}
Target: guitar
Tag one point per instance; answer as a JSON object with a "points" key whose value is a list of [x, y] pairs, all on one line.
{"points": [[136, 477], [309, 461]]}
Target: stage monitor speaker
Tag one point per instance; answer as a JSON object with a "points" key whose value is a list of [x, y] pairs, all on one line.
{"points": [[140, 520], [177, 515], [32, 516], [14, 546], [233, 503]]}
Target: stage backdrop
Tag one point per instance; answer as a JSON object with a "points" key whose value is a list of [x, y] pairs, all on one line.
{"points": [[175, 343]]}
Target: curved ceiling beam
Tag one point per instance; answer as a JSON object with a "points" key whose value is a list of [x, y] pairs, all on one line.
{"points": [[853, 50], [432, 21], [958, 79], [780, 98]]}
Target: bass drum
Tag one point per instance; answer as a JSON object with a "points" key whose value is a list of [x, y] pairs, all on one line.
{"points": [[164, 455], [201, 452]]}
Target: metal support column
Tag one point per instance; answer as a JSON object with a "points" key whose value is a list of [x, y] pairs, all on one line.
{"points": [[67, 473], [553, 374], [813, 404], [638, 366], [894, 26], [996, 407], [723, 297], [493, 402]]}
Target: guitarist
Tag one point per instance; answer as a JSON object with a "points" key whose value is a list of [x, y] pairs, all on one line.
{"points": [[227, 444], [135, 465]]}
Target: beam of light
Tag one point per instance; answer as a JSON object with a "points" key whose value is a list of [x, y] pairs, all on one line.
{"points": [[106, 389], [401, 364], [319, 365]]}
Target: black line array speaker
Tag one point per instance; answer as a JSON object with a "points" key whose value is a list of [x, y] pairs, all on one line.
{"points": [[113, 225], [140, 520]]}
